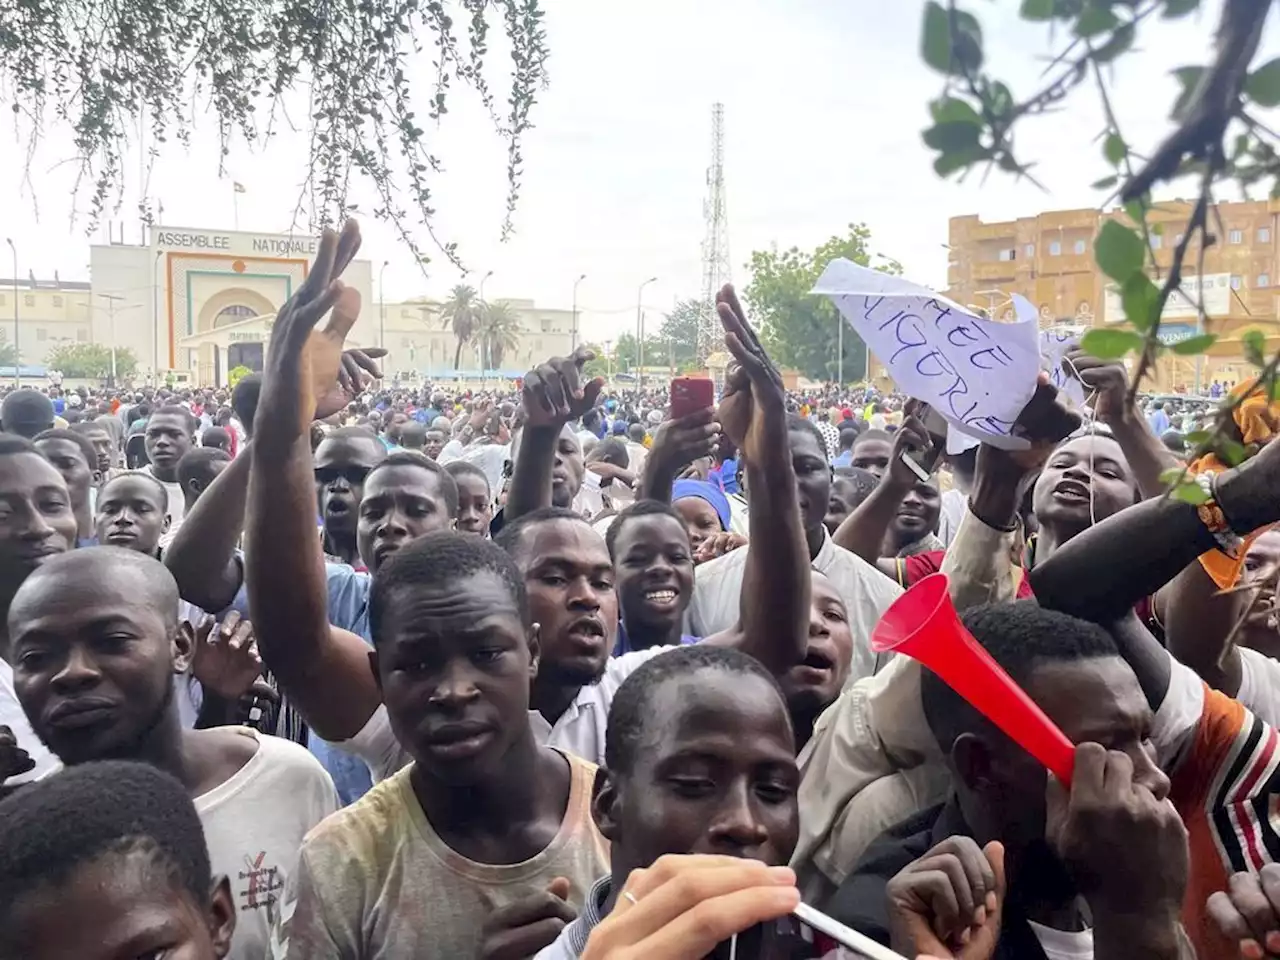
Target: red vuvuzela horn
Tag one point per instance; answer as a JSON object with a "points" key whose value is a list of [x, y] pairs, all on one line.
{"points": [[922, 623]]}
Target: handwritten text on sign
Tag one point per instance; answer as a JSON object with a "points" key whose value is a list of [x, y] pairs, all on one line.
{"points": [[1054, 344], [977, 373]]}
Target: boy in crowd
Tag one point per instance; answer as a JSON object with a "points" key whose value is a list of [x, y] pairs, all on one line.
{"points": [[108, 860]]}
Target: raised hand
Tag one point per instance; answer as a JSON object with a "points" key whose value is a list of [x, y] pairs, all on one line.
{"points": [[303, 363], [358, 369], [1107, 377], [519, 930], [754, 399], [911, 439], [225, 656], [949, 902], [554, 392], [717, 545], [681, 441]]}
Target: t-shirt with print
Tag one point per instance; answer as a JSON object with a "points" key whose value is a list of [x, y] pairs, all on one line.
{"points": [[376, 882], [1260, 685], [254, 824]]}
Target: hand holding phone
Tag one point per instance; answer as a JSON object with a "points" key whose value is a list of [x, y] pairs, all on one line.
{"points": [[689, 394]]}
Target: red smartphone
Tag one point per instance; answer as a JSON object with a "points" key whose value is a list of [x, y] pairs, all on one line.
{"points": [[690, 394]]}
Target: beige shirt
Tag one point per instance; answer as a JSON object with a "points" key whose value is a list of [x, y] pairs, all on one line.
{"points": [[376, 882]]}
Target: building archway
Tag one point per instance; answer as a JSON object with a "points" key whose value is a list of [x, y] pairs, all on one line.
{"points": [[228, 306]]}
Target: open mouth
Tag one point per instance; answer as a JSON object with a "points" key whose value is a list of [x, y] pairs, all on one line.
{"points": [[586, 628], [1071, 491]]}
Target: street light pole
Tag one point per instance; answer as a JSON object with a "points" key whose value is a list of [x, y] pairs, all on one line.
{"points": [[17, 355], [112, 299], [640, 333], [839, 348], [573, 337], [484, 343], [155, 319], [382, 308]]}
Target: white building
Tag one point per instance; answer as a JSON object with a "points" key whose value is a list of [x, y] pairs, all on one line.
{"points": [[196, 303]]}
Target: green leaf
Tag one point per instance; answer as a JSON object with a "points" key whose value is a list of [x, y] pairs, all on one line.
{"points": [[1138, 296], [1097, 18], [1197, 437], [1110, 344], [1179, 8], [1193, 345], [1120, 41], [1255, 343], [935, 40], [1036, 10], [1231, 451], [954, 110], [1174, 475], [1189, 77], [1114, 149], [1106, 183], [949, 163], [949, 137], [1135, 208], [1263, 84], [1189, 492], [1119, 251]]}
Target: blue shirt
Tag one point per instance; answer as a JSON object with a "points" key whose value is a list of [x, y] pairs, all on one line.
{"points": [[623, 644], [843, 459], [1159, 421], [348, 609]]}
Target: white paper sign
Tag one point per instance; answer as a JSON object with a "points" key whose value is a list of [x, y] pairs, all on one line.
{"points": [[979, 374], [1054, 343]]}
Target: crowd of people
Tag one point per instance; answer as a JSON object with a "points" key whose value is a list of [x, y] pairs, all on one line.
{"points": [[324, 667]]}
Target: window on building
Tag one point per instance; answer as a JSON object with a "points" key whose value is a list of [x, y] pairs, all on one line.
{"points": [[28, 300], [1236, 282], [1029, 250], [1235, 236], [1264, 234], [57, 301], [1055, 248], [1007, 255], [1079, 246], [1157, 241], [42, 333], [1264, 280], [82, 334]]}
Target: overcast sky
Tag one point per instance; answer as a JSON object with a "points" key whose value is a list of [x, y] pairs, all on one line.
{"points": [[824, 104]]}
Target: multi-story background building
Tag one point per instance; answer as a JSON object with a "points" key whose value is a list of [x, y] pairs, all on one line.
{"points": [[48, 314], [1048, 258], [193, 304]]}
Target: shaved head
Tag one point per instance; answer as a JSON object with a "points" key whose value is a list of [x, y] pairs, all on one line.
{"points": [[135, 576]]}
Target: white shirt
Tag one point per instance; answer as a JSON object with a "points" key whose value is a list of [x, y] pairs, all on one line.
{"points": [[580, 730], [1260, 685], [177, 502], [13, 717], [1063, 944], [866, 593], [254, 823]]}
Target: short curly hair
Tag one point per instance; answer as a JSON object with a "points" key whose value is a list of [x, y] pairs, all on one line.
{"points": [[632, 707], [51, 828]]}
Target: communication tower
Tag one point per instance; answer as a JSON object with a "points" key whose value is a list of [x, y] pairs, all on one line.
{"points": [[715, 243]]}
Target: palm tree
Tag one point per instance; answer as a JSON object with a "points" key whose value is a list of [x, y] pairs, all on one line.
{"points": [[463, 312], [499, 332]]}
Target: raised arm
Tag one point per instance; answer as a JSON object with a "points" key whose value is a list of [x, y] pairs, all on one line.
{"points": [[325, 672], [1148, 457], [774, 607], [202, 556], [553, 394], [677, 443], [863, 532]]}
